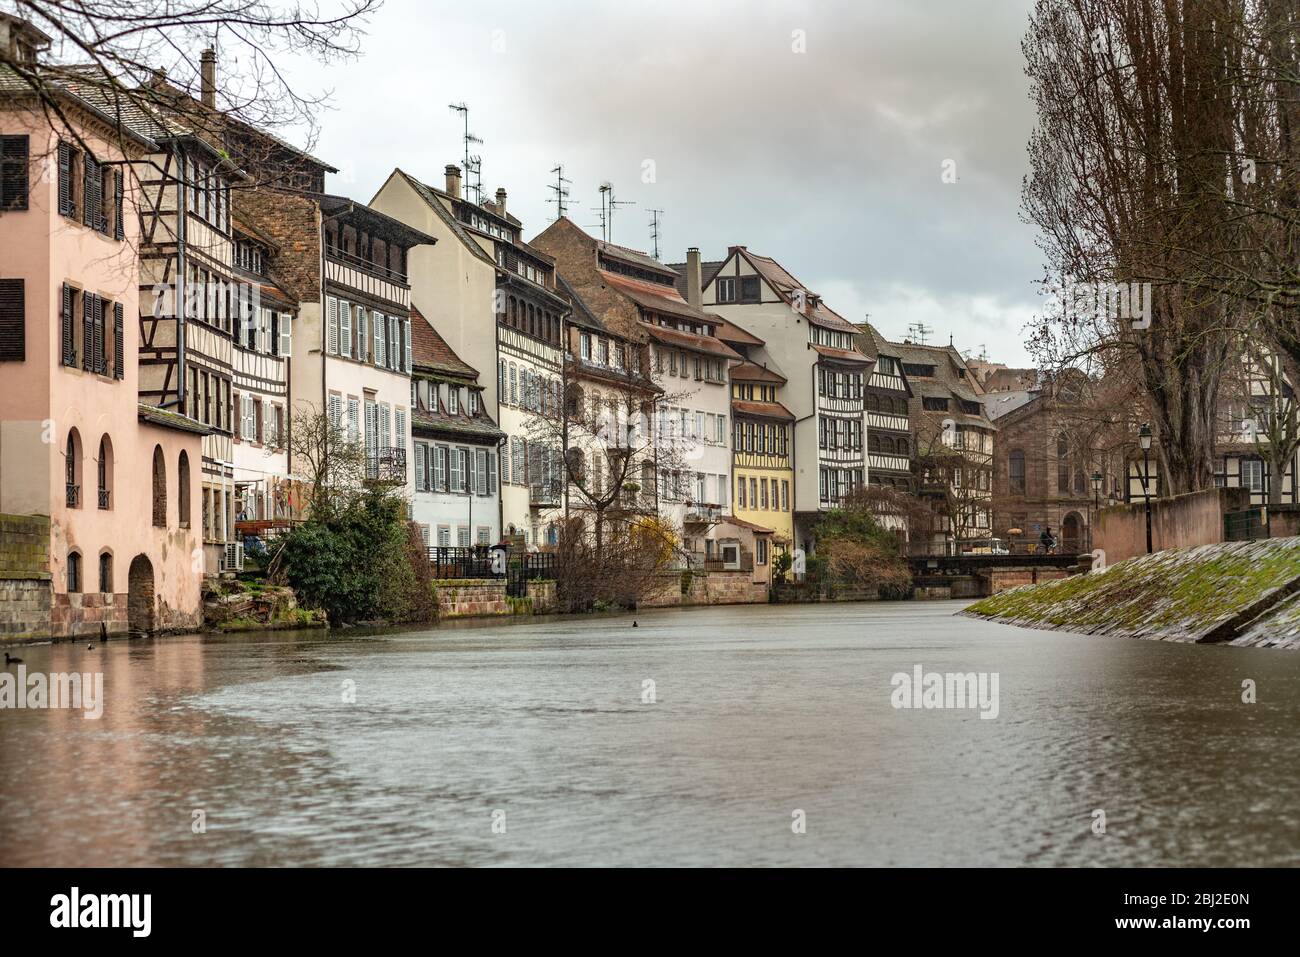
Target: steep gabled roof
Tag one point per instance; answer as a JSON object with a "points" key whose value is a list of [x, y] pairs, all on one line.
{"points": [[787, 287], [753, 372], [635, 257], [689, 340], [430, 351], [707, 271], [431, 195]]}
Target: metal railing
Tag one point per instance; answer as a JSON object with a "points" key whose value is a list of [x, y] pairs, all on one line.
{"points": [[544, 493], [74, 495], [461, 561], [103, 498], [386, 465]]}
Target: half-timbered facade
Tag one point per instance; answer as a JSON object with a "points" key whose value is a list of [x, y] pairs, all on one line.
{"points": [[266, 496], [455, 445], [493, 298], [637, 299], [813, 348]]}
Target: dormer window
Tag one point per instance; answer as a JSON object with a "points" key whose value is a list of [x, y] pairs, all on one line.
{"points": [[725, 289], [453, 401]]}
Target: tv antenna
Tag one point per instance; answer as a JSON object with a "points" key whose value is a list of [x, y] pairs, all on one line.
{"points": [[561, 191], [607, 206], [918, 332], [472, 163], [654, 229]]}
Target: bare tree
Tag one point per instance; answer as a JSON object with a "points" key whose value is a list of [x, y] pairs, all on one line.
{"points": [[121, 52], [332, 465]]}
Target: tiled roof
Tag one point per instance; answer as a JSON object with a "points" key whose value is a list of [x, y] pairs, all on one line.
{"points": [[768, 410], [171, 420], [654, 297], [742, 523], [332, 204], [479, 426], [728, 331], [429, 350], [753, 372], [842, 355], [780, 279], [689, 340], [634, 257]]}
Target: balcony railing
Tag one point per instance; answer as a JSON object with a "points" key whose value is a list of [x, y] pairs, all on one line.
{"points": [[703, 514], [544, 493], [386, 465], [376, 269], [104, 498], [74, 495]]}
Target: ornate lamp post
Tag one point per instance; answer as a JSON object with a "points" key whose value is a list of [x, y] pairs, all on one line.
{"points": [[1144, 437]]}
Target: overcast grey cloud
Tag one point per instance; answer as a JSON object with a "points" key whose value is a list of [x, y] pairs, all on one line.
{"points": [[829, 160]]}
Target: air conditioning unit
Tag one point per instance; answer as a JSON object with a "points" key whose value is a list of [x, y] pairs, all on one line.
{"points": [[233, 559]]}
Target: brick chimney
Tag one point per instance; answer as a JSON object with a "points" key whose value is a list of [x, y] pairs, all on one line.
{"points": [[501, 201], [694, 290], [208, 78], [453, 180]]}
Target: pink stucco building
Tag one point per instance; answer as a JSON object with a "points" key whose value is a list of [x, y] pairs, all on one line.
{"points": [[99, 494]]}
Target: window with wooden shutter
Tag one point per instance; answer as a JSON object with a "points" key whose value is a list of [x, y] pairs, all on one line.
{"points": [[87, 331], [13, 321], [491, 473], [92, 193], [13, 172], [379, 339], [363, 343], [440, 468], [65, 180], [407, 333], [286, 336], [119, 231], [68, 337], [345, 329], [419, 467], [119, 343], [332, 325]]}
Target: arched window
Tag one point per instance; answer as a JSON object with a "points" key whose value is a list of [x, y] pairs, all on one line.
{"points": [[183, 489], [106, 573], [159, 488], [1062, 463], [72, 469], [1080, 483], [1017, 471], [902, 446], [104, 472], [74, 572]]}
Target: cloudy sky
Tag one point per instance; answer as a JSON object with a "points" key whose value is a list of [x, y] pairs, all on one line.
{"points": [[829, 160]]}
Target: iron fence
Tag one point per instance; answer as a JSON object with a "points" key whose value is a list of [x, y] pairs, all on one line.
{"points": [[1246, 525]]}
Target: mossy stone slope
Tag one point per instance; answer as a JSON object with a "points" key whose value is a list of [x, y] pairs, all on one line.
{"points": [[1208, 593]]}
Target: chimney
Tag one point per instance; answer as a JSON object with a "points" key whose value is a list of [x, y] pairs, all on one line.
{"points": [[208, 78], [694, 292], [501, 201], [453, 180]]}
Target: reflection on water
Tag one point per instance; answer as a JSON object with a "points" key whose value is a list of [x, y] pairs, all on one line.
{"points": [[759, 711]]}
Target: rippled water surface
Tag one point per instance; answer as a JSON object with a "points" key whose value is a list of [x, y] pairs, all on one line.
{"points": [[759, 712]]}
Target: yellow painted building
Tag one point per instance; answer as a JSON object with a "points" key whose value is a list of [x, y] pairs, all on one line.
{"points": [[763, 479]]}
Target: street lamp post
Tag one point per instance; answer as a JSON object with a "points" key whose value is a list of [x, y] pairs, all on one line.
{"points": [[1144, 437], [1096, 505]]}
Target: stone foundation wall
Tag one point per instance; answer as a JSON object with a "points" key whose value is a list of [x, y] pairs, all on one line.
{"points": [[24, 608], [80, 615], [25, 586], [1001, 579], [471, 597], [541, 594], [707, 588]]}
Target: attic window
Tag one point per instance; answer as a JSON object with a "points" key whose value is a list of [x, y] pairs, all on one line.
{"points": [[749, 289]]}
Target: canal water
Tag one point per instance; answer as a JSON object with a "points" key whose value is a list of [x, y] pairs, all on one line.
{"points": [[751, 735]]}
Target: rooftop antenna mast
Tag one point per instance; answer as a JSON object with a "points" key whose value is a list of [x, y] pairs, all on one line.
{"points": [[608, 188], [919, 332], [472, 163], [561, 191], [654, 229]]}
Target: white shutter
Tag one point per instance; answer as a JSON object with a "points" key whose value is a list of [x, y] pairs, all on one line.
{"points": [[380, 355], [332, 325], [456, 480], [385, 426], [363, 343], [286, 337], [335, 410], [399, 416], [419, 467], [354, 420], [439, 468], [491, 473], [345, 329], [407, 333]]}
